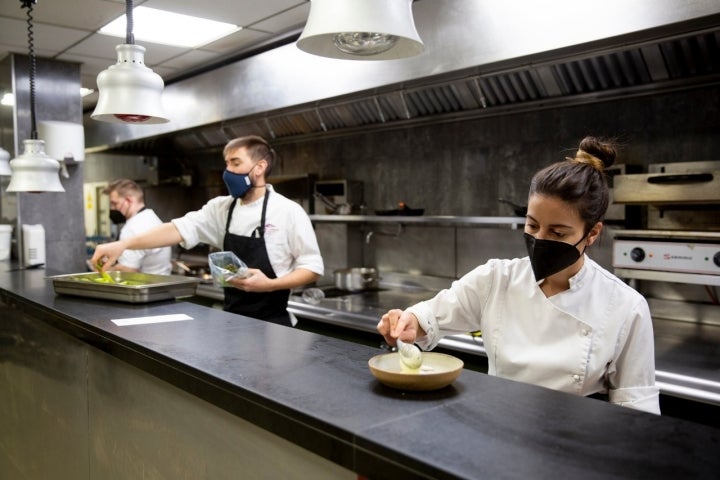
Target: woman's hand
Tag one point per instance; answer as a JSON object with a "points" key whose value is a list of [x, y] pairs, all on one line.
{"points": [[398, 324]]}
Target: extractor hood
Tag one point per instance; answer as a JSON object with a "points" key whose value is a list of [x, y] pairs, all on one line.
{"points": [[481, 59]]}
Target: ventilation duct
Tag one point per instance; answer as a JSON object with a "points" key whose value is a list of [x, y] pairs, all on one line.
{"points": [[653, 61]]}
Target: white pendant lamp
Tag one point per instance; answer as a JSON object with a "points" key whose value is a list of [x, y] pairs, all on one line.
{"points": [[129, 92], [34, 171], [361, 30], [5, 163]]}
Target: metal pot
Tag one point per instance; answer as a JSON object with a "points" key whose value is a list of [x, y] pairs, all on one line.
{"points": [[356, 279]]}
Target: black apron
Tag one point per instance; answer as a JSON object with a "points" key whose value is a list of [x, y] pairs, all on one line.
{"points": [[268, 306]]}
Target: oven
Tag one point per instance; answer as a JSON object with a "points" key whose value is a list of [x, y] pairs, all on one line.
{"points": [[678, 196], [674, 261], [682, 238]]}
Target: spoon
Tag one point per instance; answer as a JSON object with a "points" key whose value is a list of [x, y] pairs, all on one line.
{"points": [[410, 355]]}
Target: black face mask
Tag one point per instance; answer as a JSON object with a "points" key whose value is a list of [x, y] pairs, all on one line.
{"points": [[548, 257], [117, 217]]}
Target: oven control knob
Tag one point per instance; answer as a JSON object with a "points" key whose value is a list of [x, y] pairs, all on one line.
{"points": [[716, 259], [637, 254]]}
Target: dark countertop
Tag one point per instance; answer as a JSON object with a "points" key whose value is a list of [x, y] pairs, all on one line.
{"points": [[686, 351], [317, 391]]}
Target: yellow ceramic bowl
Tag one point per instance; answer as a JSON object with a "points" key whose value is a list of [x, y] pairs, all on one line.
{"points": [[438, 370]]}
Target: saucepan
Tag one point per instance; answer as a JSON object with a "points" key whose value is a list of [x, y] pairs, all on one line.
{"points": [[356, 279], [518, 210]]}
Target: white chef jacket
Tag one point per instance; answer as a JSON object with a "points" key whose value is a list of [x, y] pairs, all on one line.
{"points": [[289, 236], [595, 337], [154, 260]]}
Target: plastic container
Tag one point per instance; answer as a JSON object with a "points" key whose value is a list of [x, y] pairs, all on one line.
{"points": [[33, 245], [224, 266], [5, 236]]}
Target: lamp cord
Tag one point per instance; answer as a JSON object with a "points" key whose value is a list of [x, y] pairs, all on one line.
{"points": [[129, 37], [31, 49]]}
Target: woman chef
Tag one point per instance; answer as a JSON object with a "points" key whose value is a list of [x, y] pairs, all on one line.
{"points": [[269, 232], [554, 318]]}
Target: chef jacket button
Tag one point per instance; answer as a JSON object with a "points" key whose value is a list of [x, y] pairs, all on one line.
{"points": [[584, 332], [576, 378]]}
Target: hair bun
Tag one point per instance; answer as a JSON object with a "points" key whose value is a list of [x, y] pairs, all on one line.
{"points": [[596, 152]]}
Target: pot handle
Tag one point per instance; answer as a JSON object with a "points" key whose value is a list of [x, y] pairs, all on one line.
{"points": [[326, 201]]}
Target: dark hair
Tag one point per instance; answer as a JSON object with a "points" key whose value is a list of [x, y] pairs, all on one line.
{"points": [[258, 149], [125, 188], [580, 181]]}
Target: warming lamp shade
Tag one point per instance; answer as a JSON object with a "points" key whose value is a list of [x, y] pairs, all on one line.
{"points": [[129, 92], [361, 30], [5, 163], [34, 171]]}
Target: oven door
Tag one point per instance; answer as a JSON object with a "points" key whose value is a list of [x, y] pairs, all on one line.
{"points": [[679, 196], [671, 183]]}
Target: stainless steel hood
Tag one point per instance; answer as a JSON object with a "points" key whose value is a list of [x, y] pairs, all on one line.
{"points": [[482, 58]]}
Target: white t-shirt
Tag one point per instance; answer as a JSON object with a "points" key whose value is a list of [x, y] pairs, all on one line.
{"points": [[289, 235], [155, 260], [597, 336]]}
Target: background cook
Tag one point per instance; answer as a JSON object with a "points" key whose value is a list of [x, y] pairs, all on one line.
{"points": [[127, 207]]}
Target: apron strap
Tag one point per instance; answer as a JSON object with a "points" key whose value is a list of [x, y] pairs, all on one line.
{"points": [[230, 212], [259, 230]]}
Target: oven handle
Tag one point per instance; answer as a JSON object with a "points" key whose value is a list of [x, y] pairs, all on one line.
{"points": [[681, 178]]}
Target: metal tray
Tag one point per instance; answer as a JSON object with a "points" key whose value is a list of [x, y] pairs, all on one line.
{"points": [[145, 287]]}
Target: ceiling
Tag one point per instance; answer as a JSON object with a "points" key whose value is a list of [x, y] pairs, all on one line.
{"points": [[65, 30]]}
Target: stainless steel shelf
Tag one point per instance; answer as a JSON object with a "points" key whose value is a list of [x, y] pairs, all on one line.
{"points": [[669, 234], [693, 278], [513, 223]]}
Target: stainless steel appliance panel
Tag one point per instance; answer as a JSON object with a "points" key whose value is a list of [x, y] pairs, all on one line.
{"points": [[670, 184], [668, 256]]}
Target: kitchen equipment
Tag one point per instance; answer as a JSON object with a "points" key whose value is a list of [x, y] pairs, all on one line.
{"points": [[313, 296], [330, 207], [143, 288], [679, 195], [682, 252], [5, 236], [438, 370], [337, 193], [403, 209], [410, 356], [518, 210], [627, 215], [356, 279], [33, 240]]}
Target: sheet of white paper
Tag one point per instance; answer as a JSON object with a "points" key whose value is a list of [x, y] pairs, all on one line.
{"points": [[123, 322]]}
